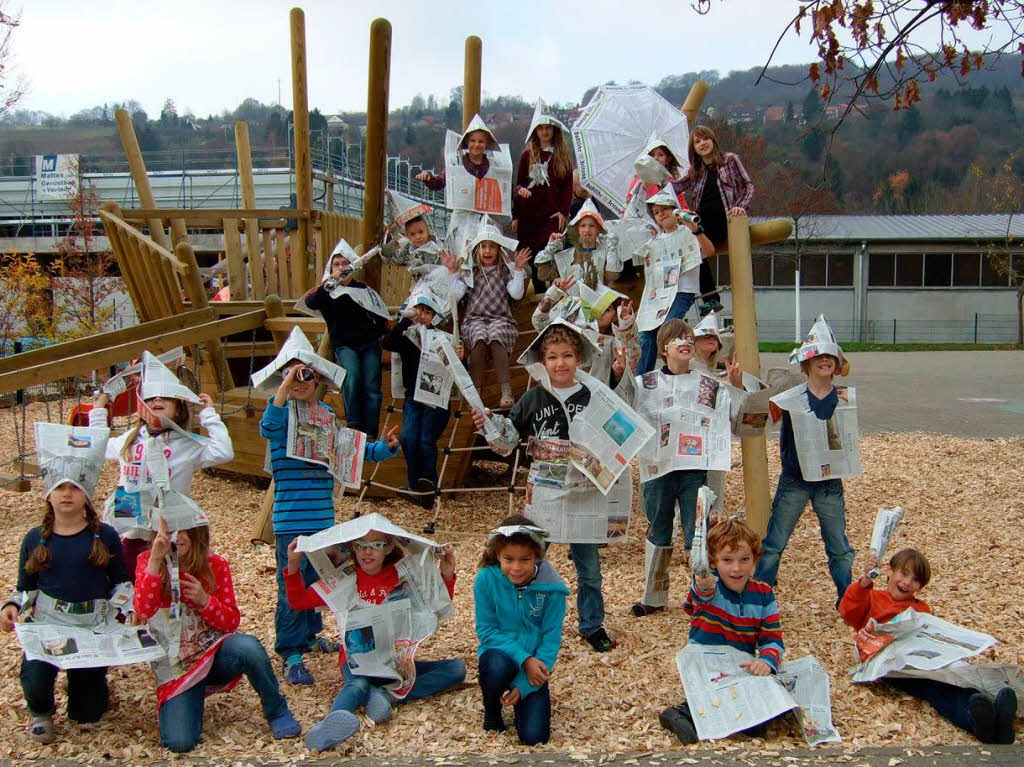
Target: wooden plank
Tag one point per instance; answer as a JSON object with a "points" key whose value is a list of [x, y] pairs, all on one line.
{"points": [[124, 262], [151, 287], [236, 269], [378, 88], [137, 165], [241, 349], [270, 262], [302, 236], [197, 294], [191, 215], [134, 234], [274, 310], [227, 308], [252, 227], [285, 324], [284, 280], [298, 262], [110, 355]]}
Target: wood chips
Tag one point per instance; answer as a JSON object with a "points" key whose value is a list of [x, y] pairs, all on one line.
{"points": [[964, 509]]}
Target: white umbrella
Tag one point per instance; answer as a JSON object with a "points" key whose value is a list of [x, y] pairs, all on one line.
{"points": [[614, 129]]}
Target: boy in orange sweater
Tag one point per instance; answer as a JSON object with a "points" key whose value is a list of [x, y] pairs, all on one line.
{"points": [[989, 720]]}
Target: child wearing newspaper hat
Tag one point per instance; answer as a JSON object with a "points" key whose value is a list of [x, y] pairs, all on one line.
{"points": [[161, 427], [303, 486], [729, 607], [989, 718], [807, 470], [409, 240], [377, 580], [68, 568], [185, 593], [593, 261], [520, 606]]}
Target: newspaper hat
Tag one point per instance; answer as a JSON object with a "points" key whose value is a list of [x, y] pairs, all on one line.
{"points": [[650, 171], [540, 118], [588, 209], [178, 511], [487, 231], [536, 534], [654, 141], [531, 354], [709, 327], [159, 381], [820, 341], [664, 196], [72, 454], [402, 210], [432, 291], [297, 347], [476, 124], [596, 302]]}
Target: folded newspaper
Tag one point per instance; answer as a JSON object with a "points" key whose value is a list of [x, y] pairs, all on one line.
{"points": [[885, 527], [72, 647], [725, 699], [118, 384], [314, 435], [826, 449], [699, 560], [665, 258]]}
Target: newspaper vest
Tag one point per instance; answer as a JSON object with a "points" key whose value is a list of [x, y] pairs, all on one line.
{"points": [[666, 258], [826, 449], [589, 269], [491, 194]]}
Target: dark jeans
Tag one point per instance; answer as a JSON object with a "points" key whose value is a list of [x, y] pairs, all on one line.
{"points": [[181, 717], [948, 700], [432, 677], [589, 599], [421, 428], [533, 713], [361, 389], [649, 338], [87, 690], [661, 497], [294, 630]]}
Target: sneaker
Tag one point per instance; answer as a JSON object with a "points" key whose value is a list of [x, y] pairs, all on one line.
{"points": [[297, 673], [716, 306], [41, 729], [425, 486], [284, 726], [600, 640], [679, 721], [325, 646], [507, 401], [983, 717], [378, 705], [1006, 710], [494, 722], [335, 728], [639, 610]]}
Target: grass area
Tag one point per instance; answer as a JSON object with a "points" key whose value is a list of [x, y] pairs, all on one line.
{"points": [[788, 346]]}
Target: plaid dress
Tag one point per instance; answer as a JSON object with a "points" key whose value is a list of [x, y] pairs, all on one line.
{"points": [[488, 312]]}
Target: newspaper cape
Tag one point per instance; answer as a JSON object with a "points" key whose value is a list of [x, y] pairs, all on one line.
{"points": [[726, 699], [491, 194], [380, 640], [826, 449], [665, 258], [315, 436]]}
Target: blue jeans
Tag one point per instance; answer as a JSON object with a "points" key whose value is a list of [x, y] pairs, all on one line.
{"points": [[421, 429], [181, 717], [649, 338], [361, 389], [948, 700], [589, 600], [662, 495], [533, 713], [294, 630], [791, 497], [87, 690], [432, 677]]}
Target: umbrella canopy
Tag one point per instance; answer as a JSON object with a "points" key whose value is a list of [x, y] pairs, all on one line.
{"points": [[614, 129]]}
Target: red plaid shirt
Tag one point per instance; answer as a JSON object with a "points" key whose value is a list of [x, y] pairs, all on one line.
{"points": [[734, 184]]}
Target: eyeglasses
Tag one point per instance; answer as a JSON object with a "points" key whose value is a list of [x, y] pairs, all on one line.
{"points": [[371, 545], [683, 342]]}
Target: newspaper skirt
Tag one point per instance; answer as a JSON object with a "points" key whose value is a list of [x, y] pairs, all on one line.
{"points": [[579, 513]]}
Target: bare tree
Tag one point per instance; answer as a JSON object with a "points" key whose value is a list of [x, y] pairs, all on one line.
{"points": [[13, 84]]}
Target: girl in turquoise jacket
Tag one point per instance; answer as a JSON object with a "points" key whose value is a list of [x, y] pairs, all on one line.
{"points": [[520, 606]]}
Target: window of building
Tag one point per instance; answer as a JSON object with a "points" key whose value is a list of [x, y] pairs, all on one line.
{"points": [[908, 270], [812, 271], [937, 268], [990, 276], [840, 269], [966, 269], [881, 269], [761, 263], [783, 270]]}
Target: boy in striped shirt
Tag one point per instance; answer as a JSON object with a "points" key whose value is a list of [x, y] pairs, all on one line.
{"points": [[731, 608]]}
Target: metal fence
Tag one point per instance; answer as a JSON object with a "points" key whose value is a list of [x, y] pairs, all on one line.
{"points": [[979, 329]]}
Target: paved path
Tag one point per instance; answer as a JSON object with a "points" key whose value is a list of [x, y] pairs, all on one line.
{"points": [[969, 394]]}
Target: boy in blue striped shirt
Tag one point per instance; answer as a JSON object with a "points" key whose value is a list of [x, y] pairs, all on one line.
{"points": [[303, 505]]}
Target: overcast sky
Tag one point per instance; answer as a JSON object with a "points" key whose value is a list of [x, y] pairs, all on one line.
{"points": [[210, 55]]}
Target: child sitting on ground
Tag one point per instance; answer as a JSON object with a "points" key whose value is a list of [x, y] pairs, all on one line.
{"points": [[731, 608], [377, 581], [520, 607], [989, 719]]}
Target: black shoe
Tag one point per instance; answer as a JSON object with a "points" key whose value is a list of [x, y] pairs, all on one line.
{"points": [[494, 722], [983, 717], [600, 640], [639, 610], [679, 721], [1006, 709], [716, 306], [427, 487]]}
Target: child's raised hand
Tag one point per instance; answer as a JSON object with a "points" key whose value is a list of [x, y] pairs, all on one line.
{"points": [[286, 386], [447, 562], [734, 371], [479, 419], [161, 545], [294, 557], [704, 582], [205, 399], [8, 616], [536, 671], [565, 283], [619, 363], [102, 400], [192, 589], [460, 351], [391, 437], [522, 258], [868, 579], [560, 217], [524, 192], [423, 175], [555, 236], [757, 667], [449, 261], [626, 314], [510, 698]]}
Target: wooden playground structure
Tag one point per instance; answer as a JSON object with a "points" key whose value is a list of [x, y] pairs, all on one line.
{"points": [[227, 340]]}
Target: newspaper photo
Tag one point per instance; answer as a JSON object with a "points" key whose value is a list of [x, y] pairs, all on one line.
{"points": [[434, 379], [110, 644], [606, 436], [314, 435], [885, 526], [725, 698], [826, 449], [491, 194], [379, 643], [349, 451], [664, 260]]}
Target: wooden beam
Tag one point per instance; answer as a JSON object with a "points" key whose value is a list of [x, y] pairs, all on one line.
{"points": [[137, 166], [197, 295], [285, 324], [242, 349], [471, 79], [227, 308], [113, 337], [270, 261], [303, 162], [284, 257], [233, 252], [694, 100], [252, 227], [377, 95], [111, 355], [767, 232], [132, 233], [120, 249], [213, 215], [274, 310]]}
